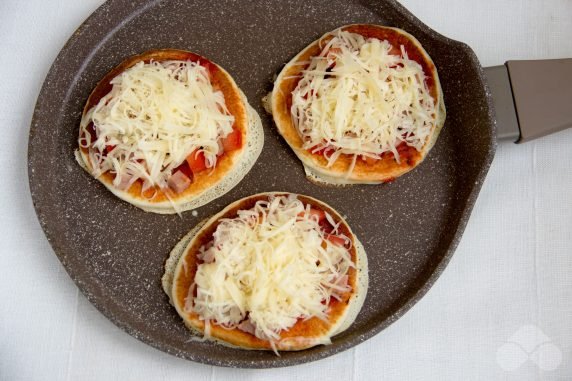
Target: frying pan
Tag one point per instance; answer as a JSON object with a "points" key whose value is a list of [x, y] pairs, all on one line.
{"points": [[410, 228]]}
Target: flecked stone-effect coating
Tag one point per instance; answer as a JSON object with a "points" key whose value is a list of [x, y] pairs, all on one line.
{"points": [[115, 252]]}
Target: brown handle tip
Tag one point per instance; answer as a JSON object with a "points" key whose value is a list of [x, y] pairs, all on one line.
{"points": [[542, 92]]}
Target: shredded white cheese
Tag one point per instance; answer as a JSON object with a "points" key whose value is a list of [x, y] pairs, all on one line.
{"points": [[155, 115], [270, 266], [356, 98]]}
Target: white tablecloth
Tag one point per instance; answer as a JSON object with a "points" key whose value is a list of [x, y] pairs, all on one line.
{"points": [[501, 310]]}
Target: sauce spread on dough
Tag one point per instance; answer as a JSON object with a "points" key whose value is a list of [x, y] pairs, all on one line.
{"points": [[273, 265], [365, 98], [161, 123]]}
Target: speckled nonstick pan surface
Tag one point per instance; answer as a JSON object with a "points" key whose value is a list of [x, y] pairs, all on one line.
{"points": [[115, 252]]}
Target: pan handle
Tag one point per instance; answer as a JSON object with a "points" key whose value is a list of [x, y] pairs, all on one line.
{"points": [[532, 98]]}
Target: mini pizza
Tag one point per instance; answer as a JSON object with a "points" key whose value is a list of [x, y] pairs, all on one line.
{"points": [[362, 104], [273, 271], [168, 131]]}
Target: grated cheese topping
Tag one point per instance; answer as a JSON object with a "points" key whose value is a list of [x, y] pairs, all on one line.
{"points": [[270, 266], [155, 115], [359, 98]]}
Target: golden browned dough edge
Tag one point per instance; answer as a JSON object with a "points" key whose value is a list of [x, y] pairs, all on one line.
{"points": [[235, 102], [383, 170], [304, 334]]}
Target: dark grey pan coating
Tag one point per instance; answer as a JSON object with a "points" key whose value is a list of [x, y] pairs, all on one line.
{"points": [[115, 252]]}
